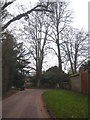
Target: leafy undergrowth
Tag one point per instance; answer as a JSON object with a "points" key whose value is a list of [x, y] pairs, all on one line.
{"points": [[66, 104]]}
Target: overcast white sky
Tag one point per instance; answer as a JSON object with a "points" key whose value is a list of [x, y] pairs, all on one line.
{"points": [[80, 8]]}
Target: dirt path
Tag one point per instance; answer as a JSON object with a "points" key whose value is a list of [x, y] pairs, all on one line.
{"points": [[25, 104]]}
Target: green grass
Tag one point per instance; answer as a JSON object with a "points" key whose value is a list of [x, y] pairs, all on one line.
{"points": [[66, 104]]}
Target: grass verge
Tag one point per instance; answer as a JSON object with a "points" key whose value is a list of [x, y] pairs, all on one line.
{"points": [[66, 104]]}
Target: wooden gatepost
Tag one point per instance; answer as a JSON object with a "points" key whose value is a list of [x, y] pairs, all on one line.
{"points": [[89, 81], [84, 81]]}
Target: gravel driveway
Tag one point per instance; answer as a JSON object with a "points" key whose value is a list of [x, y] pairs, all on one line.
{"points": [[24, 104]]}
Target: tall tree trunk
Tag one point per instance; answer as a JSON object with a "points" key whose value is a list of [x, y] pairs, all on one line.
{"points": [[59, 58], [58, 47], [69, 55], [75, 61], [38, 76], [71, 66], [39, 66]]}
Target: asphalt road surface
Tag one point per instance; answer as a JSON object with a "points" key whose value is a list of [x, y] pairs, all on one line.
{"points": [[24, 104]]}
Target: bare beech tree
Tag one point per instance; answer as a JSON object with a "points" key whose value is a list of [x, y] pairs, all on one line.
{"points": [[75, 47], [38, 29], [59, 20]]}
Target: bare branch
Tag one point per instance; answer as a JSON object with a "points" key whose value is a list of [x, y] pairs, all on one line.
{"points": [[32, 68], [7, 4], [18, 17]]}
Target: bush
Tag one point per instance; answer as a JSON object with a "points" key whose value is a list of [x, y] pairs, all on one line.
{"points": [[53, 76]]}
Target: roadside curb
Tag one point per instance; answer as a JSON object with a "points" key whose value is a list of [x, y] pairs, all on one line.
{"points": [[43, 107], [51, 114]]}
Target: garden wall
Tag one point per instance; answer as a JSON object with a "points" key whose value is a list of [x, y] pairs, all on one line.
{"points": [[79, 82], [76, 83]]}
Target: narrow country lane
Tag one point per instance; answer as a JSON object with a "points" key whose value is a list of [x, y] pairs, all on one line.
{"points": [[25, 104]]}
